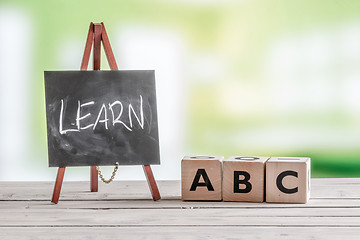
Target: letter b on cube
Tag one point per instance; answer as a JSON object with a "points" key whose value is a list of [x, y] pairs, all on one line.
{"points": [[201, 178], [243, 179]]}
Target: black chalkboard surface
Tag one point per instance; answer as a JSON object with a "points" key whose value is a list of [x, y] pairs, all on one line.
{"points": [[97, 118]]}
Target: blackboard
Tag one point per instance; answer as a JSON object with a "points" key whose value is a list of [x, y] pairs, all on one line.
{"points": [[98, 118]]}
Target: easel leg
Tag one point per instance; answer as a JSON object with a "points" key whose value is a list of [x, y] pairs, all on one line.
{"points": [[152, 183], [94, 179], [97, 46], [88, 46], [58, 184]]}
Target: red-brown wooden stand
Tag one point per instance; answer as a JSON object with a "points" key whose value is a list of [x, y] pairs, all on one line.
{"points": [[96, 35]]}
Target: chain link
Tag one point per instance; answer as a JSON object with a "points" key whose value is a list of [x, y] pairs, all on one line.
{"points": [[112, 175]]}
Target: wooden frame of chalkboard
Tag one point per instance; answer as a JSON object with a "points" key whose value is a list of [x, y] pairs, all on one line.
{"points": [[96, 35]]}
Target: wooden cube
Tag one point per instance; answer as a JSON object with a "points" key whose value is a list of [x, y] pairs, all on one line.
{"points": [[288, 179], [244, 179], [201, 178]]}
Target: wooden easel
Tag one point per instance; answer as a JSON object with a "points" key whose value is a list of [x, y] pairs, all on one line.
{"points": [[96, 35]]}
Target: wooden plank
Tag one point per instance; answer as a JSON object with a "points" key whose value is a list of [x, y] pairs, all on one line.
{"points": [[139, 190], [187, 212], [179, 217], [268, 233], [76, 190], [335, 181], [175, 204]]}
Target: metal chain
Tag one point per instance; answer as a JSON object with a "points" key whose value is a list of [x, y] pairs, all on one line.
{"points": [[112, 175]]}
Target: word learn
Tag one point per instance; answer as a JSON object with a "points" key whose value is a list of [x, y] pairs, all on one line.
{"points": [[116, 108]]}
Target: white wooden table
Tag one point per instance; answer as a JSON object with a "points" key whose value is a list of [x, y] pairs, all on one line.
{"points": [[124, 210]]}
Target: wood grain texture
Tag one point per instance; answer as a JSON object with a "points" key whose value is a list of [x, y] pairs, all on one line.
{"points": [[179, 232], [201, 178], [174, 217], [244, 179], [125, 209], [171, 190], [312, 205], [97, 46], [288, 180]]}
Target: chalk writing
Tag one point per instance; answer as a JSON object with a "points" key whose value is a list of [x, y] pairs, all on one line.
{"points": [[102, 116]]}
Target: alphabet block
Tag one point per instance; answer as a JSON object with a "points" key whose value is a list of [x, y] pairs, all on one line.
{"points": [[201, 178], [243, 179], [288, 179]]}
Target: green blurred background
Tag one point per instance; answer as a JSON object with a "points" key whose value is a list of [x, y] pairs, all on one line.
{"points": [[235, 77]]}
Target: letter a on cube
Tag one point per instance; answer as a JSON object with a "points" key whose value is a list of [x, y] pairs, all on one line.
{"points": [[243, 179], [201, 178], [288, 180]]}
